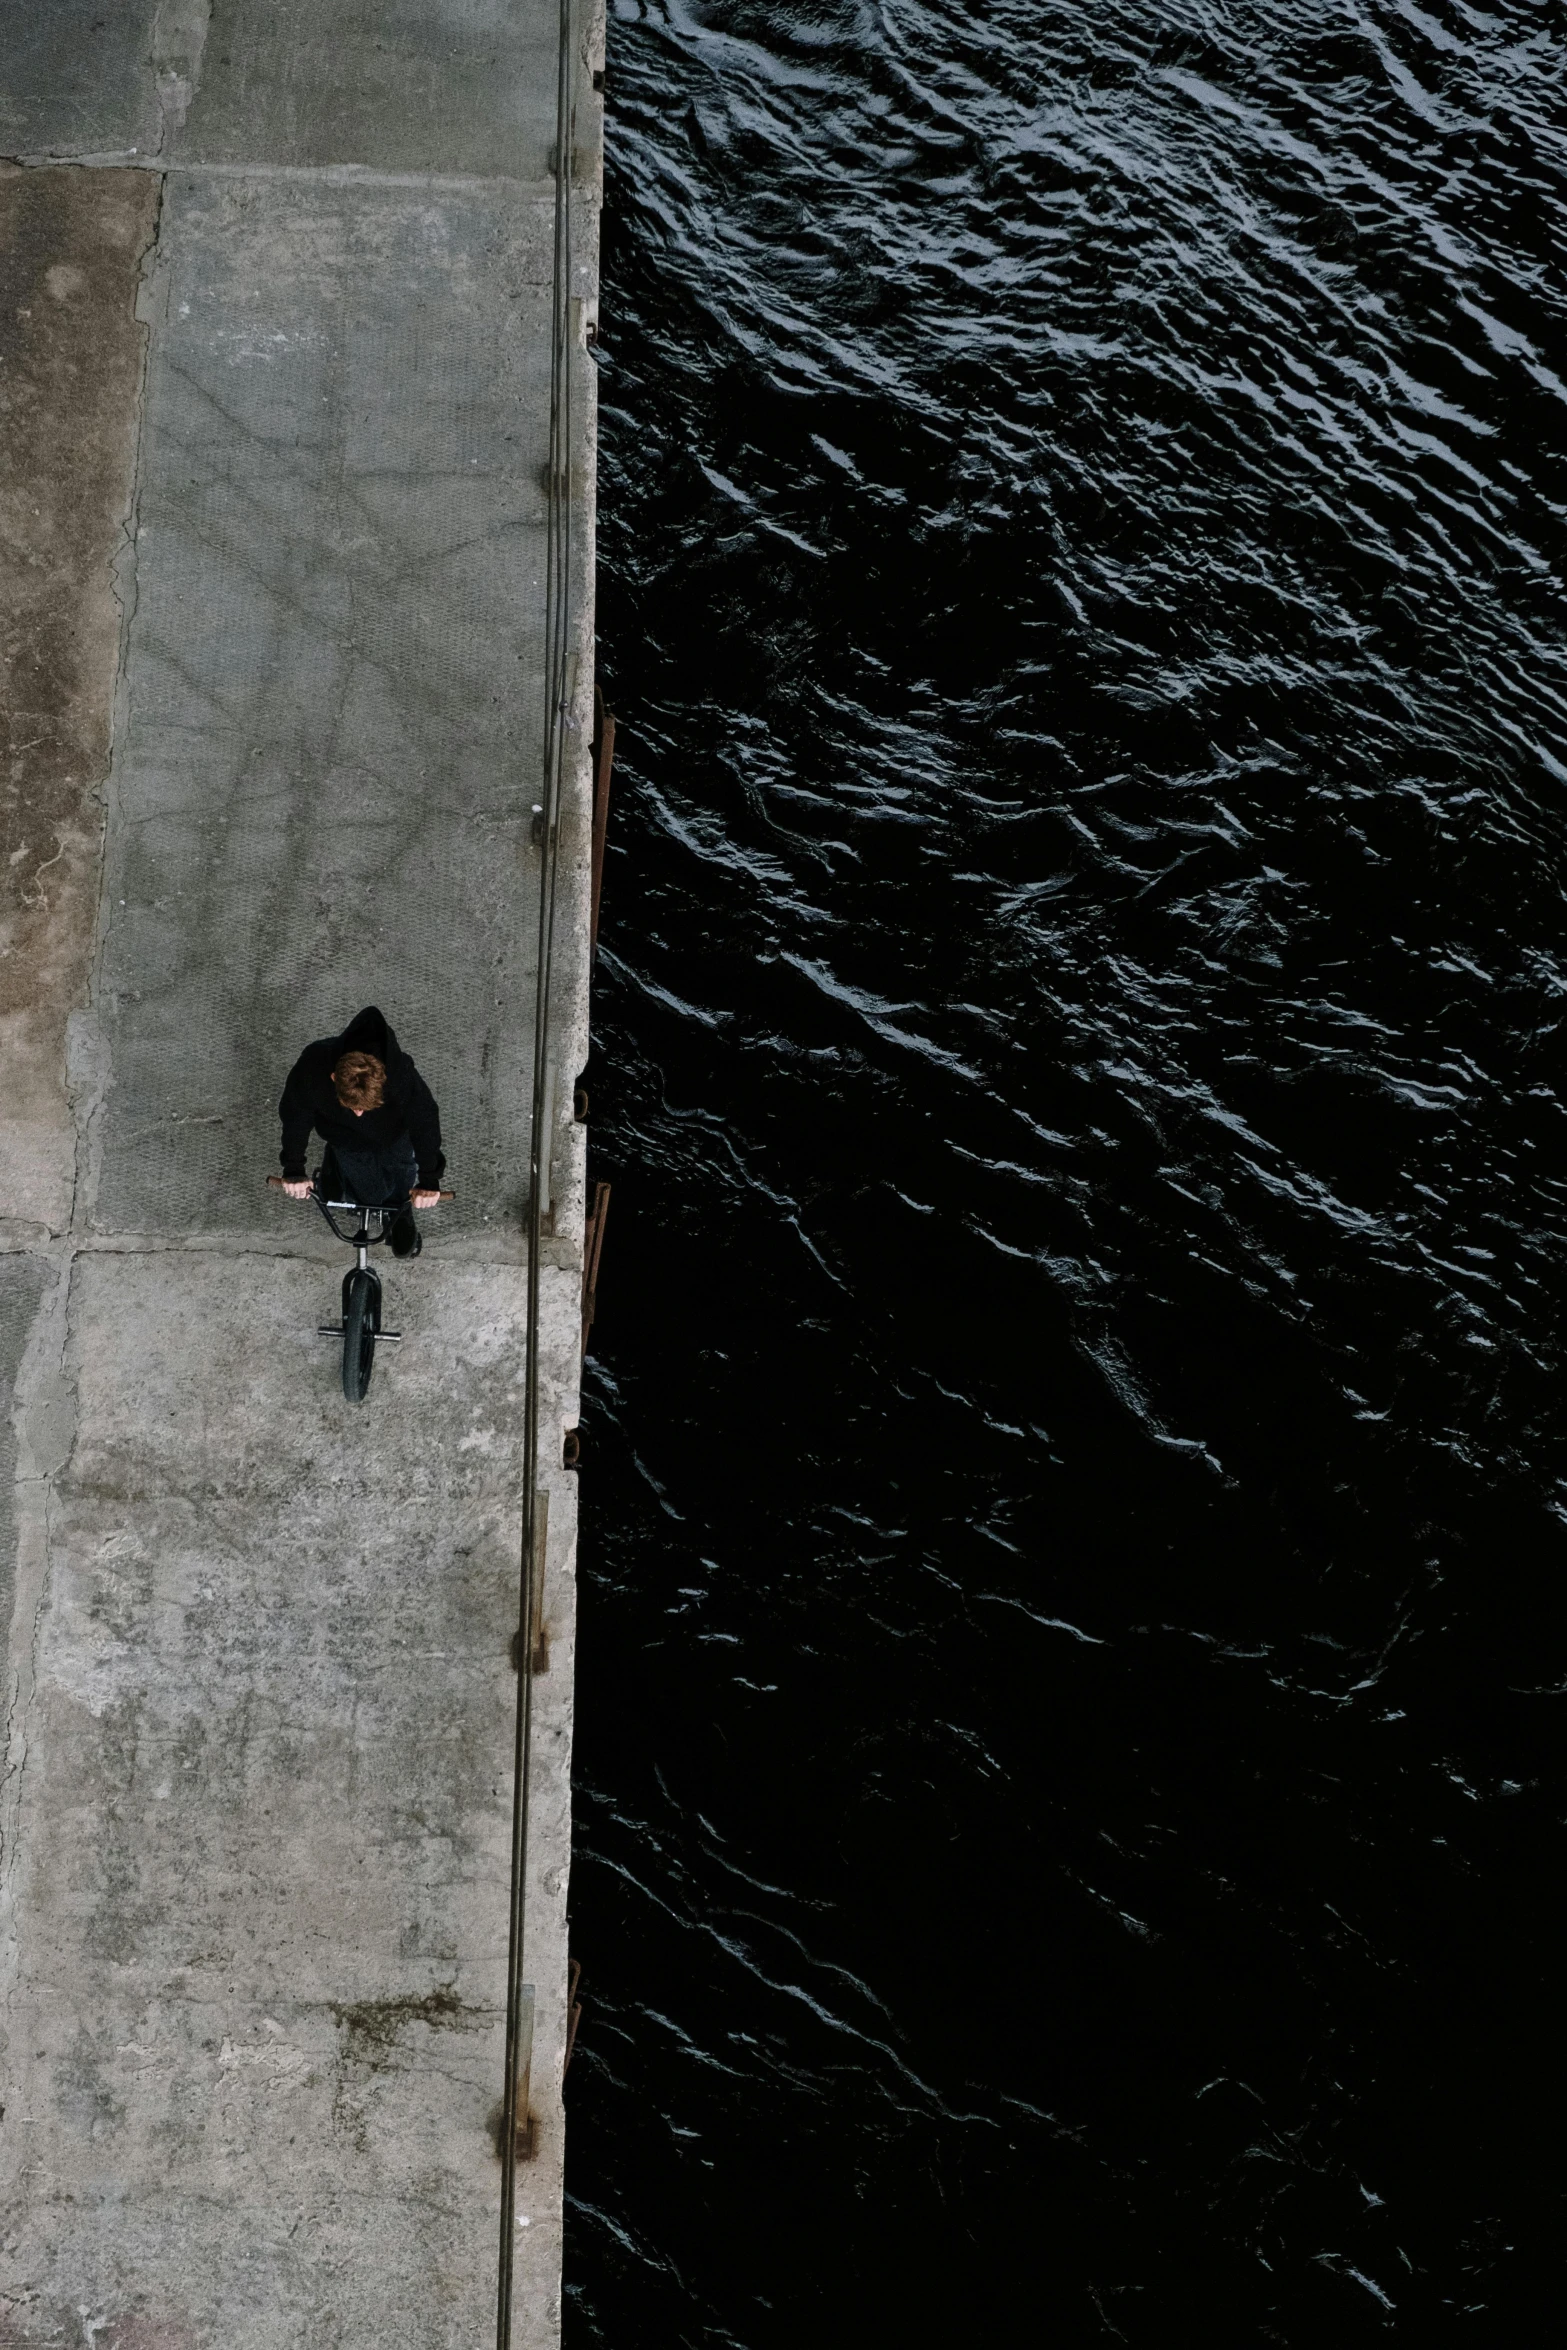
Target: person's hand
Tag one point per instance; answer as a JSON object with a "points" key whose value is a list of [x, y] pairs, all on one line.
{"points": [[299, 1190], [424, 1199]]}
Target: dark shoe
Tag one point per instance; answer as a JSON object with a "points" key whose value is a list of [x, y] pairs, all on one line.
{"points": [[407, 1239]]}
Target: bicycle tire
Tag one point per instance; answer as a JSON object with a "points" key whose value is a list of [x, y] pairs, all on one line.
{"points": [[361, 1313]]}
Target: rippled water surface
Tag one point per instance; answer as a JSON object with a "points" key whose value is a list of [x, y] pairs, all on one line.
{"points": [[1072, 1671]]}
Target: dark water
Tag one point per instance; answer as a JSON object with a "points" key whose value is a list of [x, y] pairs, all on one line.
{"points": [[1072, 1673]]}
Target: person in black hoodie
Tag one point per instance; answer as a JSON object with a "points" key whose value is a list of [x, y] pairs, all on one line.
{"points": [[378, 1119]]}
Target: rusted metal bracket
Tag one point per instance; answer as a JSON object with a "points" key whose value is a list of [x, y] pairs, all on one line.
{"points": [[603, 768], [541, 1638], [541, 1538], [573, 2014], [527, 2135], [592, 1249]]}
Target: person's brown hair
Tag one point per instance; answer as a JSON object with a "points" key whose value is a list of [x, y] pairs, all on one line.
{"points": [[359, 1081]]}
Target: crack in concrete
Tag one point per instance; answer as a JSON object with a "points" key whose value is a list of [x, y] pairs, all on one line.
{"points": [[331, 175]]}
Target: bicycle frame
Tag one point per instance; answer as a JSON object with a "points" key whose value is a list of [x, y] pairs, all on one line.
{"points": [[368, 1233], [360, 1328], [362, 1238]]}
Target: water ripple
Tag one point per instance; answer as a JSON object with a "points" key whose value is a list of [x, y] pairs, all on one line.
{"points": [[1074, 1484]]}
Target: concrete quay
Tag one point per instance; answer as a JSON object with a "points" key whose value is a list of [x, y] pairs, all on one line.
{"points": [[277, 301]]}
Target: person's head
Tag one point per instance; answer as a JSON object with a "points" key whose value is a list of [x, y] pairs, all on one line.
{"points": [[359, 1082]]}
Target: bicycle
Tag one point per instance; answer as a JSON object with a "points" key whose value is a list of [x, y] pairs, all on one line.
{"points": [[360, 1329]]}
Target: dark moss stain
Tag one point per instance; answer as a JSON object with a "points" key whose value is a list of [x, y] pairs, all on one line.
{"points": [[371, 2029], [72, 245], [82, 2092], [373, 2025]]}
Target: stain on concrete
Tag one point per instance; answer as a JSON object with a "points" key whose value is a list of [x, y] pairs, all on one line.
{"points": [[72, 245], [372, 2032], [146, 2331], [58, 2326], [372, 2026]]}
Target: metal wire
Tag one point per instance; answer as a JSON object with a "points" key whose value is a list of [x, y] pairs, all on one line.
{"points": [[557, 642]]}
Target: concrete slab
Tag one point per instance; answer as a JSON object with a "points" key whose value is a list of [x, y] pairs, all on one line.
{"points": [[23, 1281], [78, 77], [71, 354], [335, 674], [256, 1788], [255, 1931], [406, 85]]}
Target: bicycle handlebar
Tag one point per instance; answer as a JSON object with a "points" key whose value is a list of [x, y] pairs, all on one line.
{"points": [[276, 1183]]}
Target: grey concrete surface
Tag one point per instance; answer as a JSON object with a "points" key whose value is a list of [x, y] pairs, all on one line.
{"points": [[267, 1813], [334, 683], [23, 1280], [79, 77], [413, 85], [427, 86], [256, 1786]]}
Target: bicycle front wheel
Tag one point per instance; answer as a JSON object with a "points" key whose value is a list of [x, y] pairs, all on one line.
{"points": [[361, 1317]]}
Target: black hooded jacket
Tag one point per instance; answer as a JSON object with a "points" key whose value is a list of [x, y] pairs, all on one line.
{"points": [[409, 1107]]}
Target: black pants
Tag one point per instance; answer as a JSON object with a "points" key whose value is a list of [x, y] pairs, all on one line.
{"points": [[381, 1177]]}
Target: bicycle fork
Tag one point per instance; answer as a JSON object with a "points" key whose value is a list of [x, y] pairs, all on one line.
{"points": [[363, 1266]]}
